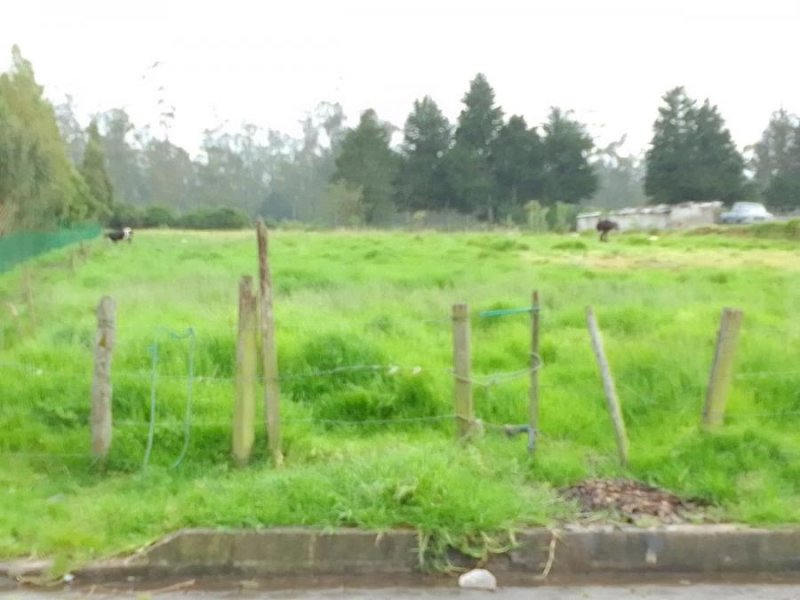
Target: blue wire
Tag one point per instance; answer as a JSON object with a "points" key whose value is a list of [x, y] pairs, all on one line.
{"points": [[189, 394]]}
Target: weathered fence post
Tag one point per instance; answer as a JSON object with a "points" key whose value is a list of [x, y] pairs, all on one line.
{"points": [[536, 361], [269, 349], [101, 382], [610, 389], [719, 381], [244, 412], [462, 368]]}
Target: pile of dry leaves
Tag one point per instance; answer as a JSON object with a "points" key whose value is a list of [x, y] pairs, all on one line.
{"points": [[632, 501]]}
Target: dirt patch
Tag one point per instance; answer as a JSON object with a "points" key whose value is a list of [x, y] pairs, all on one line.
{"points": [[632, 502], [662, 259]]}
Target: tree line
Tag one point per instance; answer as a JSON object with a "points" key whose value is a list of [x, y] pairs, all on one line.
{"points": [[486, 165]]}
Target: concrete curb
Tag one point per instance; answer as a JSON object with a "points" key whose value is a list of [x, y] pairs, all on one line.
{"points": [[596, 553]]}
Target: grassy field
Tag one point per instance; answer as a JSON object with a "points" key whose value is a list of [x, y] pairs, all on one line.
{"points": [[383, 299]]}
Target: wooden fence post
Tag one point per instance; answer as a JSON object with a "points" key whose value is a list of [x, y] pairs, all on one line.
{"points": [[536, 361], [462, 368], [269, 349], [719, 381], [610, 389], [244, 412], [101, 383]]}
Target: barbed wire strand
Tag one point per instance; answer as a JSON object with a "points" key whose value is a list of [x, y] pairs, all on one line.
{"points": [[777, 413], [746, 374], [391, 369]]}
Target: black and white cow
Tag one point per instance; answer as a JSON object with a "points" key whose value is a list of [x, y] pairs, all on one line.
{"points": [[126, 233]]}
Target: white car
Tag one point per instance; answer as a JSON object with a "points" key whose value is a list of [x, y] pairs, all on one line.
{"points": [[746, 212]]}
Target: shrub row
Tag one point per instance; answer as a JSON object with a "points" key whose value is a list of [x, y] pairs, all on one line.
{"points": [[126, 215]]}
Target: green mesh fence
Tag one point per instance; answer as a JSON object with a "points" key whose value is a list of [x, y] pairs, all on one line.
{"points": [[19, 246]]}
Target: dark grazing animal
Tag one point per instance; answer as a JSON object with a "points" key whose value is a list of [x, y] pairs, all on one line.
{"points": [[604, 226], [126, 233]]}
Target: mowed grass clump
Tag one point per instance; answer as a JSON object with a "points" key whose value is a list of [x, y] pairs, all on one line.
{"points": [[365, 353]]}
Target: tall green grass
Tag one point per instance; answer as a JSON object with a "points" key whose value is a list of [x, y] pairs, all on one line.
{"points": [[366, 447]]}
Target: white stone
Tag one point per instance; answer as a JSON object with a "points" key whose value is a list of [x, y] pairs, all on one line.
{"points": [[478, 579]]}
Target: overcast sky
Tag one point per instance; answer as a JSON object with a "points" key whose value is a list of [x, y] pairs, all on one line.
{"points": [[269, 62]]}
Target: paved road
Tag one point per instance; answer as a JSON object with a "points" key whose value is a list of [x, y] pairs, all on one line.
{"points": [[649, 592]]}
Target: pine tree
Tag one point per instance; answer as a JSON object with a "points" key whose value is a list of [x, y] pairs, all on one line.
{"points": [[783, 191], [773, 155], [568, 174], [718, 167], [422, 180], [518, 165], [667, 160], [367, 161], [470, 162], [692, 156]]}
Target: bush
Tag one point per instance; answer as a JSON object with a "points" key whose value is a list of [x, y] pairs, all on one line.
{"points": [[215, 218], [787, 230], [158, 216], [125, 215], [562, 217]]}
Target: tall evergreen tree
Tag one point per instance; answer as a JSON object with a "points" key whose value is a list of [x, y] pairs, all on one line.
{"points": [[783, 191], [568, 174], [367, 161], [422, 181], [94, 172], [518, 164], [718, 167], [773, 152], [692, 156], [470, 162], [667, 160]]}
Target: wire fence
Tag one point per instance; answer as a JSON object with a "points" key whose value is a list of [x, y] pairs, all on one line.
{"points": [[20, 246], [192, 378]]}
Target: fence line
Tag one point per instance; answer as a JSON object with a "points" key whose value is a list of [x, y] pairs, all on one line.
{"points": [[390, 369], [48, 454], [484, 380], [19, 246], [747, 374], [200, 424], [777, 413]]}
